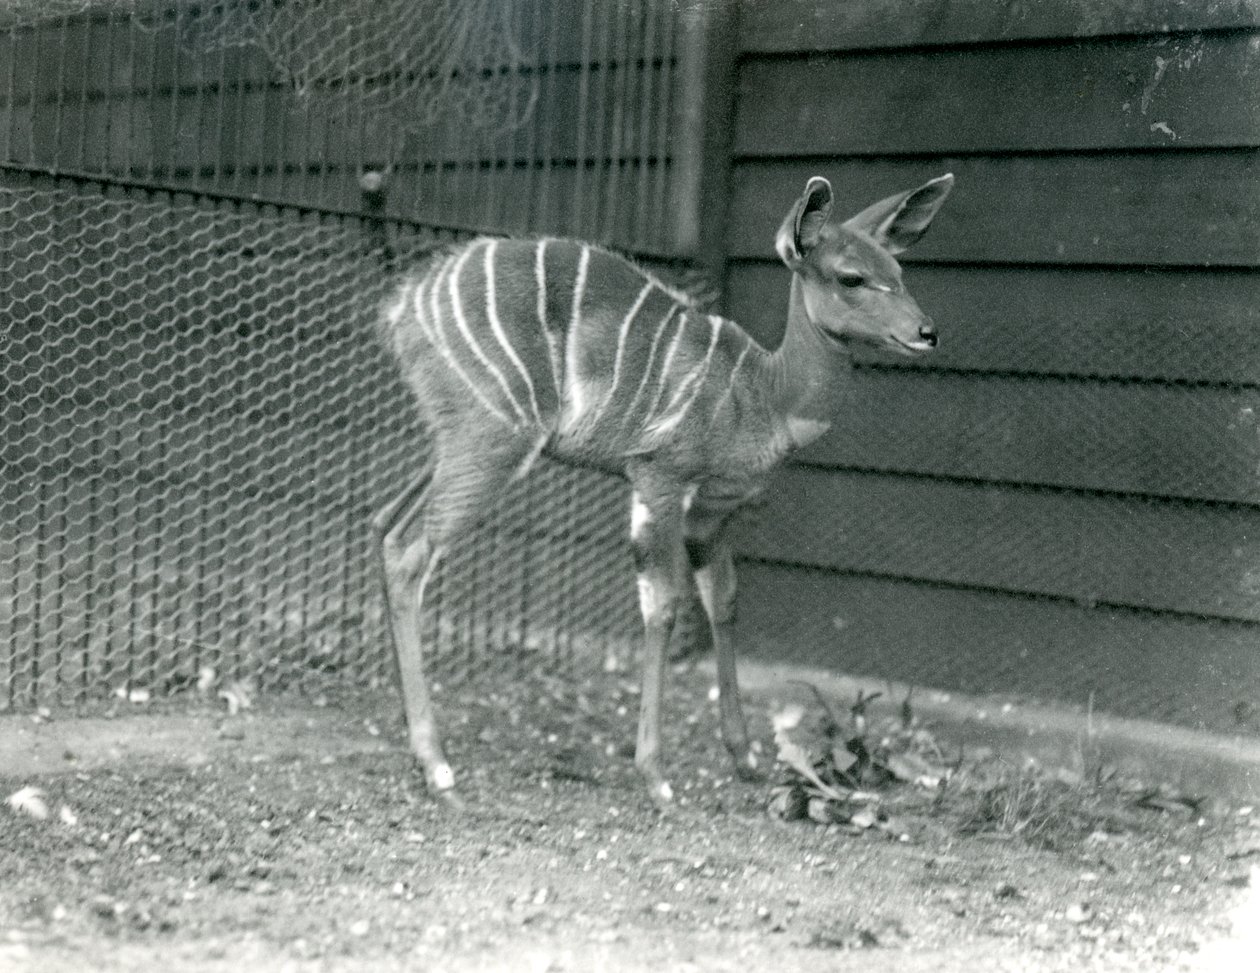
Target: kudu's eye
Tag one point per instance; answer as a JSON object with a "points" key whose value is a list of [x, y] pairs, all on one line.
{"points": [[852, 280]]}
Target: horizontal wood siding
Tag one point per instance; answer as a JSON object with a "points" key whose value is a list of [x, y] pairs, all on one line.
{"points": [[1138, 93], [1140, 438], [986, 641], [1088, 433], [1143, 323], [799, 26], [1191, 208], [1092, 548]]}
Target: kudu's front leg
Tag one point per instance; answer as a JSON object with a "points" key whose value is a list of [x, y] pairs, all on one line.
{"points": [[656, 538], [709, 554]]}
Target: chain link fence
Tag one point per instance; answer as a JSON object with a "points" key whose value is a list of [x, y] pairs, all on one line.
{"points": [[196, 421]]}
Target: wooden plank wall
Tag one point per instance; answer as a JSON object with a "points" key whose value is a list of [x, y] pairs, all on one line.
{"points": [[1072, 483]]}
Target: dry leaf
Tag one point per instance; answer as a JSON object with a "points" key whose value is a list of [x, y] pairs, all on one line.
{"points": [[788, 803], [912, 768], [842, 758], [788, 718]]}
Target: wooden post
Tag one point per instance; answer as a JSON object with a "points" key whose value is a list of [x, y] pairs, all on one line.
{"points": [[706, 102], [704, 121]]}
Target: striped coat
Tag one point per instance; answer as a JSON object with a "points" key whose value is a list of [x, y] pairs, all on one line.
{"points": [[585, 353], [516, 348]]}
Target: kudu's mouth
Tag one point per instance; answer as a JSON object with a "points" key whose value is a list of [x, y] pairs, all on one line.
{"points": [[925, 341], [914, 347]]}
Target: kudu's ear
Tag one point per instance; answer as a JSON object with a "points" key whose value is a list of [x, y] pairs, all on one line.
{"points": [[803, 225], [897, 223]]}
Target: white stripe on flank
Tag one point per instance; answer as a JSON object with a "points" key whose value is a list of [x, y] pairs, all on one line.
{"points": [[426, 318], [540, 281], [621, 337], [416, 296], [576, 387], [669, 360], [438, 339], [730, 380], [492, 312], [695, 379], [651, 359], [457, 310]]}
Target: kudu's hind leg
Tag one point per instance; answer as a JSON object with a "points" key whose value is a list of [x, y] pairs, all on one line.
{"points": [[709, 554], [660, 564], [446, 500]]}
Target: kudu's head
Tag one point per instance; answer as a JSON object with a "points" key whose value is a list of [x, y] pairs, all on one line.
{"points": [[847, 281]]}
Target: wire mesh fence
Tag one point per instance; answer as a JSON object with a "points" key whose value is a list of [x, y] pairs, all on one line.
{"points": [[196, 428], [196, 422]]}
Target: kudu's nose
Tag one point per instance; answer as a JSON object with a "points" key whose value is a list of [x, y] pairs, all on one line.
{"points": [[927, 332]]}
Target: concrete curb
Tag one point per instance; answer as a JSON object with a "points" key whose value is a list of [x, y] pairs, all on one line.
{"points": [[1197, 763], [1214, 766]]}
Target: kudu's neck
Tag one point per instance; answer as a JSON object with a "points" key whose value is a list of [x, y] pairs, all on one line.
{"points": [[808, 369]]}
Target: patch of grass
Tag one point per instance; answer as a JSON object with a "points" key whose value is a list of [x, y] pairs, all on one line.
{"points": [[862, 770], [1031, 805]]}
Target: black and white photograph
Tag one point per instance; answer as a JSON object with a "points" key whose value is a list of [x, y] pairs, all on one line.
{"points": [[568, 486]]}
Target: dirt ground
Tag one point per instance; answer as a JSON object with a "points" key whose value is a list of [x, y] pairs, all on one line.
{"points": [[303, 840]]}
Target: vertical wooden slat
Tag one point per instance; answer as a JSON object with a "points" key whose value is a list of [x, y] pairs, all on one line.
{"points": [[173, 138], [605, 92], [37, 580], [59, 523], [108, 100], [200, 564], [548, 123], [529, 212], [110, 543], [243, 122], [9, 643], [622, 79], [220, 143], [150, 169], [582, 121], [85, 73], [328, 108], [10, 93], [59, 82], [664, 116], [651, 17], [89, 573], [33, 93]]}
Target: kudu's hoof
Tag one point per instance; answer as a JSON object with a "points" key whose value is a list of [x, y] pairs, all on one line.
{"points": [[441, 781], [748, 767], [661, 794]]}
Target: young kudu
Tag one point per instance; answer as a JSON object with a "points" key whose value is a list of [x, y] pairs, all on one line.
{"points": [[521, 348]]}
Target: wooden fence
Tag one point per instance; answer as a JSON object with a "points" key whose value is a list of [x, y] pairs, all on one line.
{"points": [[1063, 501]]}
